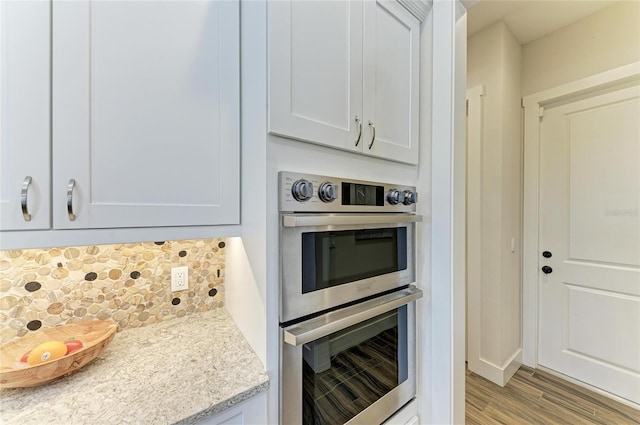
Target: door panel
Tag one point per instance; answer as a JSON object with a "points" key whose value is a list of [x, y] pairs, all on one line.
{"points": [[590, 316], [604, 228], [25, 130], [315, 71], [589, 319], [146, 113], [391, 63]]}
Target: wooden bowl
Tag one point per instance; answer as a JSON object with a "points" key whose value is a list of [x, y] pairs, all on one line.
{"points": [[95, 336]]}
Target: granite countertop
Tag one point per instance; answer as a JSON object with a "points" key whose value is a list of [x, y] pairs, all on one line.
{"points": [[178, 371]]}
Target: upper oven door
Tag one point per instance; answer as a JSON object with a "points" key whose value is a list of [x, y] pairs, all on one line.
{"points": [[331, 259]]}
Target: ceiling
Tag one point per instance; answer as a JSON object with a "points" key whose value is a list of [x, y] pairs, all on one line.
{"points": [[531, 19]]}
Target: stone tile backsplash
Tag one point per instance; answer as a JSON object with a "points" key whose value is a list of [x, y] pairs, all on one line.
{"points": [[129, 284]]}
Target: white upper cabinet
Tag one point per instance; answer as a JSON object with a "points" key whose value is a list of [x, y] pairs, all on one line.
{"points": [[118, 115], [25, 131], [345, 75], [145, 113]]}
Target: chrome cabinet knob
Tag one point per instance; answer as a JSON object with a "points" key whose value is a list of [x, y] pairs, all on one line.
{"points": [[302, 190], [328, 192], [410, 197]]}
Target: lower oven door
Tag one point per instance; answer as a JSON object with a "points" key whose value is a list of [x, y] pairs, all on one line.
{"points": [[355, 365]]}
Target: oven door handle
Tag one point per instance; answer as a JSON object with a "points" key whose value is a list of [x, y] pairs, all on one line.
{"points": [[335, 321], [308, 220]]}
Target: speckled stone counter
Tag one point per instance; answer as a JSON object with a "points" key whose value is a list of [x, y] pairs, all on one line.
{"points": [[178, 371]]}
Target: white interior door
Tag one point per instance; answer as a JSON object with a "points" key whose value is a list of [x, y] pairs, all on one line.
{"points": [[589, 299]]}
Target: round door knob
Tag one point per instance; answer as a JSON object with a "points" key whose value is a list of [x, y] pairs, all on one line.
{"points": [[410, 197], [302, 190], [394, 196], [328, 192], [546, 254], [546, 269]]}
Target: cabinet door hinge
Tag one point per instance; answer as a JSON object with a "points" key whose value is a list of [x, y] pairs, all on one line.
{"points": [[541, 112], [467, 108]]}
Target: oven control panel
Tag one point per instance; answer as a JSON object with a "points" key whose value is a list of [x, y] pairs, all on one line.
{"points": [[299, 192]]}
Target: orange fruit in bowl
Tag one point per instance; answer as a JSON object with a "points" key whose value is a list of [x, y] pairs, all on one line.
{"points": [[46, 352]]}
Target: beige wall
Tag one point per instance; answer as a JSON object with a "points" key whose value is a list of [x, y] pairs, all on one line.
{"points": [[494, 60], [508, 71], [605, 40]]}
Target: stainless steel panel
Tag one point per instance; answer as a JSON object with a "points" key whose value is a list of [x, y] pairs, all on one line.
{"points": [[335, 321], [305, 220], [291, 383], [287, 203], [295, 304]]}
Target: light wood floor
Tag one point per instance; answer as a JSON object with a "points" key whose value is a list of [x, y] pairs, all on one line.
{"points": [[536, 397]]}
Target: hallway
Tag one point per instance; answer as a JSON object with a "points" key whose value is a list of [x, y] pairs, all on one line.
{"points": [[536, 397]]}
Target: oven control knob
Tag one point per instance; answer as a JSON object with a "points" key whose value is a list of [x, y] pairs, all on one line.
{"points": [[394, 196], [328, 192], [302, 190], [410, 197]]}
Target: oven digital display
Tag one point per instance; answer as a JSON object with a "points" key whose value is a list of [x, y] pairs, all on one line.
{"points": [[362, 194]]}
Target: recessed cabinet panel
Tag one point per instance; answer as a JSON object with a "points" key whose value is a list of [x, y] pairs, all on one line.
{"points": [[320, 55], [145, 113], [25, 130], [391, 83], [315, 71], [166, 77]]}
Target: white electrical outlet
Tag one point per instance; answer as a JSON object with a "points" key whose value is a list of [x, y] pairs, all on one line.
{"points": [[179, 278]]}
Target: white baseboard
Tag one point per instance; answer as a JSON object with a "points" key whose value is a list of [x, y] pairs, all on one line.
{"points": [[497, 374], [589, 387]]}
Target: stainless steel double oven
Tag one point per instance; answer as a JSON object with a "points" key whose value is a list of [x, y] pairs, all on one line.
{"points": [[347, 303]]}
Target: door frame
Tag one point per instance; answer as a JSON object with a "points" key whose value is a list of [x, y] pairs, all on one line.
{"points": [[475, 119], [533, 110]]}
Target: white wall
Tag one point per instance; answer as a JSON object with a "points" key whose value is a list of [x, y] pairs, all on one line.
{"points": [[494, 60], [248, 297], [253, 277], [605, 40], [254, 291], [446, 366]]}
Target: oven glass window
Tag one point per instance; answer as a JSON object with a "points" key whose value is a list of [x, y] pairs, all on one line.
{"points": [[348, 371], [335, 258]]}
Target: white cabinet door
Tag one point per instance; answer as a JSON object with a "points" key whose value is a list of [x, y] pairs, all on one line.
{"points": [[145, 113], [391, 95], [25, 39], [250, 412], [315, 71]]}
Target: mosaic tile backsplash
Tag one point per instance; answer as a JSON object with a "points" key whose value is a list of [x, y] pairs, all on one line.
{"points": [[129, 284]]}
